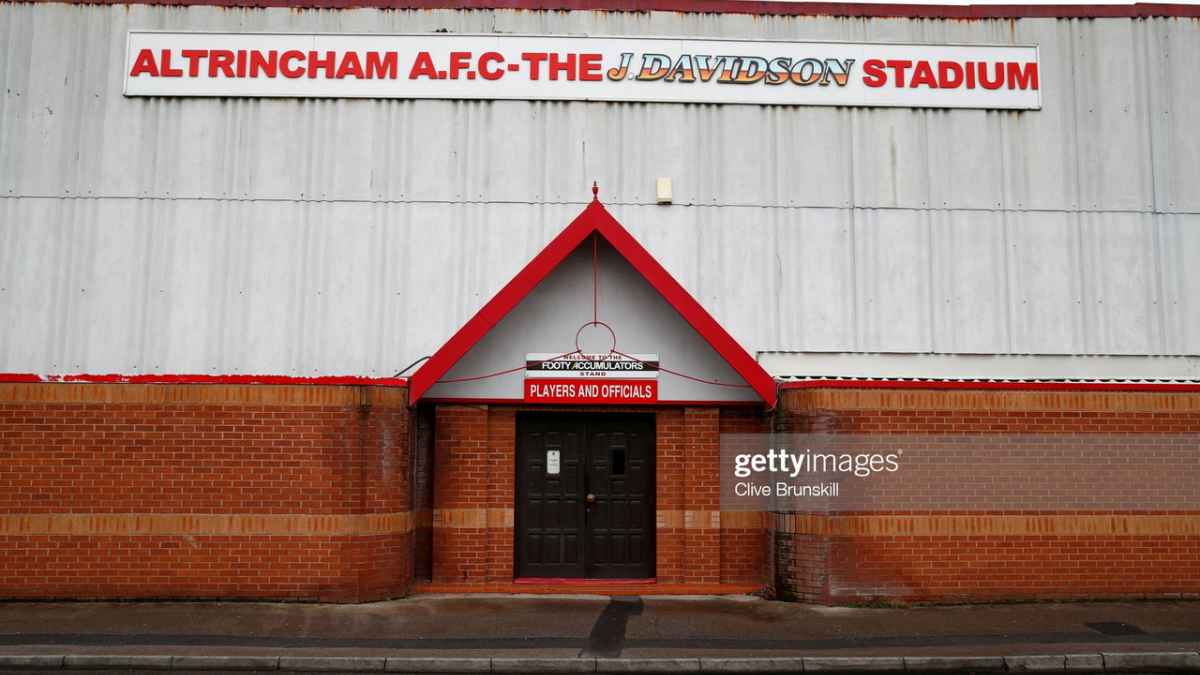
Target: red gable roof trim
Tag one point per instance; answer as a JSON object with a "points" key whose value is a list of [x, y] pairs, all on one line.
{"points": [[595, 218]]}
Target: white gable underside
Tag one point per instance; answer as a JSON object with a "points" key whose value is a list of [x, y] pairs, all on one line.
{"points": [[548, 319]]}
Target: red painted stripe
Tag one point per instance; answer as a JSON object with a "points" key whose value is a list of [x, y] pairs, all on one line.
{"points": [[843, 9], [1013, 386], [115, 378]]}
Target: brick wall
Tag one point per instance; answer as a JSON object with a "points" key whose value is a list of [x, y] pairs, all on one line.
{"points": [[311, 492], [745, 544], [202, 491], [670, 494], [461, 494], [939, 555]]}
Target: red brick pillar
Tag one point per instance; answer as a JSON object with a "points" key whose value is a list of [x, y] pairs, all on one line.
{"points": [[668, 492], [383, 554], [502, 458], [460, 494], [702, 496], [745, 543]]}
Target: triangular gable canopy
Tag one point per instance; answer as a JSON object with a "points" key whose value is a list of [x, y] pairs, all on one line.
{"points": [[596, 220]]}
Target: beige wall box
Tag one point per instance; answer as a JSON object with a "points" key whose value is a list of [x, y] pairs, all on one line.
{"points": [[662, 190]]}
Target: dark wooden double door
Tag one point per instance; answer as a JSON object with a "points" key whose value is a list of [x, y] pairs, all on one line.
{"points": [[585, 496]]}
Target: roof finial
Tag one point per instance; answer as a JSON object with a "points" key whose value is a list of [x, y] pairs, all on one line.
{"points": [[595, 192]]}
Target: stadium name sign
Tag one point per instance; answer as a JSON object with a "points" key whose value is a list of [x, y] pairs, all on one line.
{"points": [[444, 66]]}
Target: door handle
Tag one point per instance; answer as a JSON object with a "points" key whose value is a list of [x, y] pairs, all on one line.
{"points": [[590, 498]]}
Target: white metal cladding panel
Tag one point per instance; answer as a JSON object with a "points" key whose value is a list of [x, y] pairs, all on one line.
{"points": [[969, 299], [1044, 277], [1116, 105], [353, 236], [892, 281], [133, 286], [1175, 107], [1178, 250]]}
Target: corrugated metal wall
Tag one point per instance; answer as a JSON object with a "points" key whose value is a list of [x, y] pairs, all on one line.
{"points": [[350, 237]]}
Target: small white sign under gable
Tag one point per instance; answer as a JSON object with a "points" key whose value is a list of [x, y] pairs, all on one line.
{"points": [[582, 68]]}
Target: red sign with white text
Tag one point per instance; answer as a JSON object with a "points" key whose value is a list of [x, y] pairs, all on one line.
{"points": [[591, 391]]}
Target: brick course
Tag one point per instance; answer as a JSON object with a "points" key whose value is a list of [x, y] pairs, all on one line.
{"points": [[993, 555], [319, 493], [290, 492]]}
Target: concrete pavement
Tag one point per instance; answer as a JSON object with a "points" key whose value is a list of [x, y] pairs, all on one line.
{"points": [[599, 634]]}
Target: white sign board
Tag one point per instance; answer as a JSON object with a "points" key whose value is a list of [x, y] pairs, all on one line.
{"points": [[581, 68], [553, 463], [579, 378], [580, 365]]}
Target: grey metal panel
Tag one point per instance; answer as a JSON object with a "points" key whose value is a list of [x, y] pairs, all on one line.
{"points": [[891, 165], [892, 263], [1120, 290], [1040, 152], [1111, 112], [350, 237], [1045, 299], [963, 150], [1173, 60], [812, 265], [969, 298], [1178, 250]]}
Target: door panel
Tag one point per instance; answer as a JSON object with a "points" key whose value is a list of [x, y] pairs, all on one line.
{"points": [[560, 531], [550, 527], [621, 521]]}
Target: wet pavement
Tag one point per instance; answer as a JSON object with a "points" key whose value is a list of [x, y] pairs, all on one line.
{"points": [[593, 626]]}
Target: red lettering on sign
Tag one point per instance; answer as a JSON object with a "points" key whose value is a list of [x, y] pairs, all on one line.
{"points": [[459, 62], [923, 75], [1022, 75], [991, 84], [485, 63], [193, 57], [423, 67], [950, 74], [287, 59], [899, 66], [873, 75], [534, 59], [350, 67], [590, 67], [144, 64], [380, 66], [316, 62], [220, 61], [591, 391], [167, 70], [267, 65], [560, 66]]}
